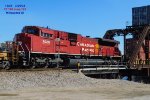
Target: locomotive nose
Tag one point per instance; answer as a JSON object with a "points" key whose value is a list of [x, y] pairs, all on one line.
{"points": [[16, 38]]}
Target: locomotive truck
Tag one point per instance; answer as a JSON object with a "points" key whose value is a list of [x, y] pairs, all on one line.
{"points": [[44, 47]]}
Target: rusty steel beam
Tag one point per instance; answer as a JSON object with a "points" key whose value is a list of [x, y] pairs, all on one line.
{"points": [[138, 32]]}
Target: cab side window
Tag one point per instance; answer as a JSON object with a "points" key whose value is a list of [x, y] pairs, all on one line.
{"points": [[46, 35]]}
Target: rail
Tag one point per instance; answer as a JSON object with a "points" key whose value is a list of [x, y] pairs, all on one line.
{"points": [[102, 67]]}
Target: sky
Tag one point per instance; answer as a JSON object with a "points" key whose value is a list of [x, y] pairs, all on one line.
{"points": [[86, 17]]}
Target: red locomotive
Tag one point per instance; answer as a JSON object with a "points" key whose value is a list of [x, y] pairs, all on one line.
{"points": [[38, 46]]}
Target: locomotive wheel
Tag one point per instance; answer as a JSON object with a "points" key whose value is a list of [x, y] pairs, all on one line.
{"points": [[33, 64], [6, 65], [46, 66]]}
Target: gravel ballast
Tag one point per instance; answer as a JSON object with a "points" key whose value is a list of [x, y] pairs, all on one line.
{"points": [[67, 85], [55, 78]]}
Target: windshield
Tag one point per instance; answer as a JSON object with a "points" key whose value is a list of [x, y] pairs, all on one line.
{"points": [[32, 31]]}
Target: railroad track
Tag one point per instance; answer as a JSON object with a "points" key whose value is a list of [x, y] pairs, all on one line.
{"points": [[27, 69]]}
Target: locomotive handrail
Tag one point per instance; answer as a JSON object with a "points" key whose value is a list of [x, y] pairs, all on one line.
{"points": [[28, 51], [22, 47]]}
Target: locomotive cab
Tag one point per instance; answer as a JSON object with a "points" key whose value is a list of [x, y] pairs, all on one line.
{"points": [[35, 45]]}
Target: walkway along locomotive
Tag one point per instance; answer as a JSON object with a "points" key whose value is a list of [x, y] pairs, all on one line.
{"points": [[37, 46]]}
